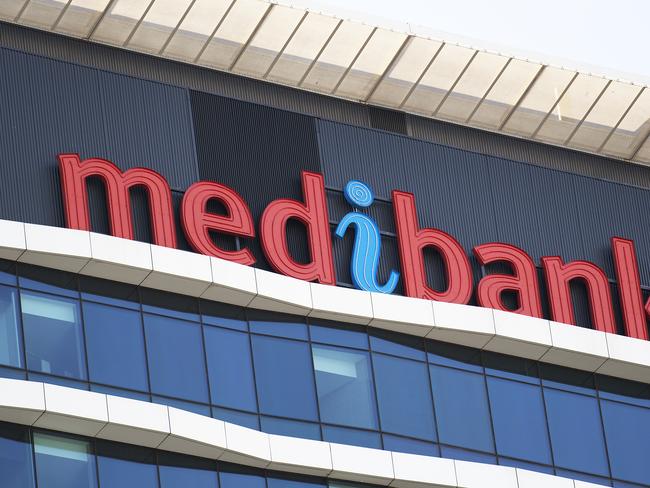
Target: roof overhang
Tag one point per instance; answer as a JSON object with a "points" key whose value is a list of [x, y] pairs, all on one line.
{"points": [[398, 68]]}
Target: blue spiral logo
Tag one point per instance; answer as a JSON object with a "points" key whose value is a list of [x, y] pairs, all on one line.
{"points": [[358, 194]]}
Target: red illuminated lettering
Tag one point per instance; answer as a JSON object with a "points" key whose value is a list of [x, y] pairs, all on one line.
{"points": [[629, 288]]}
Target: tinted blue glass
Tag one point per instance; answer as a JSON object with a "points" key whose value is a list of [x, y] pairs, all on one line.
{"points": [[230, 368], [183, 477], [53, 380], [176, 361], [412, 351], [13, 373], [120, 473], [291, 428], [576, 432], [461, 408], [241, 480], [280, 325], [285, 382], [15, 457], [91, 297], [11, 353], [145, 397], [287, 483], [8, 278], [339, 336], [627, 430], [464, 455], [189, 406], [345, 387], [401, 444], [598, 480], [228, 323], [519, 420], [404, 397], [63, 462], [53, 336], [115, 346], [515, 463], [343, 435], [234, 417]]}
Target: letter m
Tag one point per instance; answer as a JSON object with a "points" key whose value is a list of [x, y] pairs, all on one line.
{"points": [[74, 173]]}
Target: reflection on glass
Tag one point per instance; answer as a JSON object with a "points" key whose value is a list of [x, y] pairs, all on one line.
{"points": [[81, 16], [539, 100], [53, 337], [344, 385], [158, 24], [42, 13], [16, 467], [63, 462], [371, 63], [439, 78], [472, 87], [120, 20], [505, 93], [337, 56], [632, 130], [268, 41], [10, 349], [303, 48], [233, 33], [571, 108], [197, 27], [120, 466], [604, 116], [406, 70]]}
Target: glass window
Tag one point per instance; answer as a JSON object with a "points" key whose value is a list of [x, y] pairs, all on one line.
{"points": [[63, 462], [519, 420], [182, 471], [461, 408], [115, 346], [404, 397], [402, 444], [291, 483], [176, 361], [15, 457], [354, 437], [284, 377], [276, 324], [293, 428], [235, 417], [339, 334], [465, 455], [344, 385], [241, 480], [627, 429], [10, 348], [576, 431], [182, 405], [53, 336], [120, 465], [230, 368]]}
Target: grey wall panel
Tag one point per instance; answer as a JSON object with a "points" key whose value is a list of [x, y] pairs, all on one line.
{"points": [[180, 74], [258, 151], [50, 107]]}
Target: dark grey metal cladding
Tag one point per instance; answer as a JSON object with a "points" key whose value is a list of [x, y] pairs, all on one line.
{"points": [[51, 107], [258, 151], [481, 199]]}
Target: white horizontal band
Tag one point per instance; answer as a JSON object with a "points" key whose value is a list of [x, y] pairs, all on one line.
{"points": [[158, 426], [210, 278]]}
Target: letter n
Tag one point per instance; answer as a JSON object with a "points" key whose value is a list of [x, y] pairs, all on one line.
{"points": [[74, 173]]}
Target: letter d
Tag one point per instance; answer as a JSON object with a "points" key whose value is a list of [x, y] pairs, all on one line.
{"points": [[313, 214]]}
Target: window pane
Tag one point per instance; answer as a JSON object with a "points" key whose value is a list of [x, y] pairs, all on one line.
{"points": [[115, 346], [15, 457], [182, 471], [63, 462], [120, 466], [519, 420], [53, 336], [628, 440], [293, 428], [230, 368], [462, 408], [404, 397], [175, 351], [10, 349], [402, 444], [576, 431], [289, 483], [285, 382], [343, 435], [241, 480], [345, 389]]}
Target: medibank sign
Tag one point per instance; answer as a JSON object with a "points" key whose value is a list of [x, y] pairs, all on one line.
{"points": [[198, 224]]}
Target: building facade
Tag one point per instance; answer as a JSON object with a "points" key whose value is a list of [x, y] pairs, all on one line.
{"points": [[211, 278]]}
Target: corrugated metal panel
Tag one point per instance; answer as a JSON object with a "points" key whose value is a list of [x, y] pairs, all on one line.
{"points": [[258, 151], [389, 120], [179, 74], [76, 109], [528, 151]]}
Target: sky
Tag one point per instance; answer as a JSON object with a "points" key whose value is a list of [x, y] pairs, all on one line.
{"points": [[613, 35]]}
